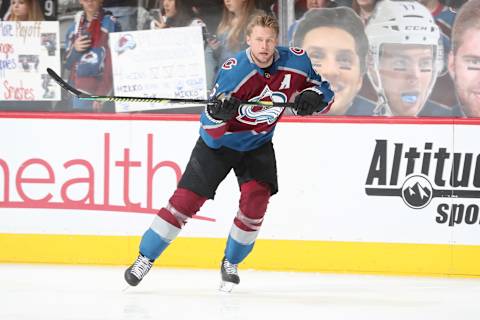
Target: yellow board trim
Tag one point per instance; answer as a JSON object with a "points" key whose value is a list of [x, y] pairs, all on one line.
{"points": [[280, 255]]}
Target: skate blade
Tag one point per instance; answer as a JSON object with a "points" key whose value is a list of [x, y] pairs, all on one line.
{"points": [[126, 288], [226, 286]]}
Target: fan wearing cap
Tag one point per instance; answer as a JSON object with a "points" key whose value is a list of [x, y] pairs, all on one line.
{"points": [[404, 59]]}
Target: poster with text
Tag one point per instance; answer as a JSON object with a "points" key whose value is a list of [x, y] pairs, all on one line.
{"points": [[167, 63], [27, 49]]}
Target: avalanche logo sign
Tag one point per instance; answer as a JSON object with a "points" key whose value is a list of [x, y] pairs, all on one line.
{"points": [[125, 42], [260, 114]]}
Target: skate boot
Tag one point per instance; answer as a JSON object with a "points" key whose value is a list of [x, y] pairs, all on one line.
{"points": [[230, 276], [135, 273]]}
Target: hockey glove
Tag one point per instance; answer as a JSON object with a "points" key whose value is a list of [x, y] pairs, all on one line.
{"points": [[223, 110], [314, 99]]}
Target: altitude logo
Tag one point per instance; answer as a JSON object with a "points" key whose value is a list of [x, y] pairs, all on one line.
{"points": [[419, 175]]}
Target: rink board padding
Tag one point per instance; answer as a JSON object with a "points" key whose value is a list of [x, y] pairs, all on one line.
{"points": [[359, 194], [281, 255]]}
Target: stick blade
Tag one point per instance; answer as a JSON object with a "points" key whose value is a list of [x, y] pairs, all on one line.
{"points": [[62, 83]]}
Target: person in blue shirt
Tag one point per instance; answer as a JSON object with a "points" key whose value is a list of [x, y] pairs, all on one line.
{"points": [[239, 137]]}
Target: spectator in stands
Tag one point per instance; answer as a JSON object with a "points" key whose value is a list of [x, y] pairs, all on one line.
{"points": [[126, 12], [364, 8], [310, 4], [87, 55], [230, 37], [404, 59], [464, 60], [176, 13], [210, 11], [336, 43], [24, 10]]}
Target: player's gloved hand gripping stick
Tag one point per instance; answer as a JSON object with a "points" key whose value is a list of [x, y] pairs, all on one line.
{"points": [[314, 100], [223, 109]]}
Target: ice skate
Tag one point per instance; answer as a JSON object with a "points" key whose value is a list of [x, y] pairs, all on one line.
{"points": [[135, 273], [230, 276]]}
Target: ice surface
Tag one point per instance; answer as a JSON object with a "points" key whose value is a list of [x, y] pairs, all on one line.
{"points": [[37, 292]]}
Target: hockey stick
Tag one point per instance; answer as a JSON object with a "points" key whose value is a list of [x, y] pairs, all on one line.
{"points": [[85, 96]]}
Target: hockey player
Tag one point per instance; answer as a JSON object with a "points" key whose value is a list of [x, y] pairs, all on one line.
{"points": [[404, 59], [238, 137]]}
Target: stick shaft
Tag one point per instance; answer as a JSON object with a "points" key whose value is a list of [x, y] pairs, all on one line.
{"points": [[85, 96]]}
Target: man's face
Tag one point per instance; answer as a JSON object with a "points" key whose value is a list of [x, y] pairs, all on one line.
{"points": [[262, 42], [464, 68], [406, 74], [333, 56]]}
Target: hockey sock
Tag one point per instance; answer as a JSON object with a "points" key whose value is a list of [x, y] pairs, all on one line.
{"points": [[157, 238], [246, 226], [169, 221]]}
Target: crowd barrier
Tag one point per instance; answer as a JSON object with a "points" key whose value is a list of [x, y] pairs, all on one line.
{"points": [[363, 195]]}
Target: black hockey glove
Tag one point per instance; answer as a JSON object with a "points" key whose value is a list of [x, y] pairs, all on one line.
{"points": [[314, 99], [223, 110]]}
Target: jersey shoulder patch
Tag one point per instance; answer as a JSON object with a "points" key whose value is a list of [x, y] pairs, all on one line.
{"points": [[297, 51], [229, 64]]}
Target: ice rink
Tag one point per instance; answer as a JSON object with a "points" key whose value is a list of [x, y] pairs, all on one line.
{"points": [[85, 292]]}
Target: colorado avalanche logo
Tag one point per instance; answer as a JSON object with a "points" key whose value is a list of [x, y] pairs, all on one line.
{"points": [[297, 51], [124, 43], [90, 58], [229, 64], [259, 114]]}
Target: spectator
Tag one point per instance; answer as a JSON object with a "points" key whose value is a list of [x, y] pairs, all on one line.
{"points": [[126, 12], [336, 43], [404, 59], [177, 13], [364, 8], [210, 11], [310, 4], [230, 36], [464, 60], [87, 53], [24, 10]]}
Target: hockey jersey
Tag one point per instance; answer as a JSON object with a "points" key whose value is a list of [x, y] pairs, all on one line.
{"points": [[290, 72]]}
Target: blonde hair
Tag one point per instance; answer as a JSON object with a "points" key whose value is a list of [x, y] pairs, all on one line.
{"points": [[265, 21], [34, 12], [234, 32], [467, 18]]}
